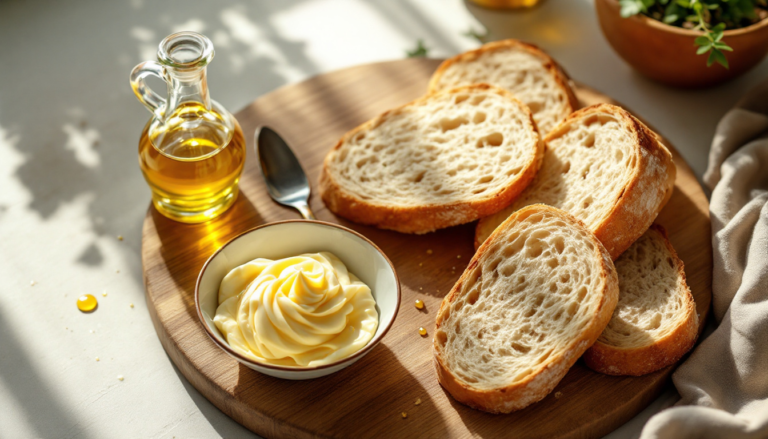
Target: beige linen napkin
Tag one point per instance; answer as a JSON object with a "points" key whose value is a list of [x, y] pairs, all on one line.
{"points": [[724, 383]]}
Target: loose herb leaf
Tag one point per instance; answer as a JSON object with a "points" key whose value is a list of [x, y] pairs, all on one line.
{"points": [[481, 37], [420, 51]]}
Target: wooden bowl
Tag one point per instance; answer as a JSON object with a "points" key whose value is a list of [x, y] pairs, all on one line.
{"points": [[283, 239], [667, 54]]}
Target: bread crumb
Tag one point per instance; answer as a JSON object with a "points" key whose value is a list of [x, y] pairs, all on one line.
{"points": [[418, 401], [97, 358], [32, 283], [120, 378], [104, 294], [404, 415], [429, 251], [117, 271], [558, 395], [458, 256], [119, 237], [131, 305], [421, 264]]}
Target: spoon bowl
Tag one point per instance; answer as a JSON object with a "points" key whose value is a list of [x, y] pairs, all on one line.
{"points": [[286, 180]]}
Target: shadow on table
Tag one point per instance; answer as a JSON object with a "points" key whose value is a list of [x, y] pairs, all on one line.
{"points": [[85, 152], [218, 420], [42, 408], [364, 400]]}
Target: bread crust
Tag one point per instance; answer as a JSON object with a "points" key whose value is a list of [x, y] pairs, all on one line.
{"points": [[648, 191], [540, 383], [428, 217], [555, 70], [613, 360]]}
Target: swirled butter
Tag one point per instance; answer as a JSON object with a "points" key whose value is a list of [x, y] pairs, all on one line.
{"points": [[306, 310]]}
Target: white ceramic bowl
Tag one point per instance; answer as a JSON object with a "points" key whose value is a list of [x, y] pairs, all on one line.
{"points": [[290, 238]]}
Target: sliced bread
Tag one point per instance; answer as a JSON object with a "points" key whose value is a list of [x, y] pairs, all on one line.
{"points": [[534, 297], [523, 69], [442, 160], [655, 322], [604, 167]]}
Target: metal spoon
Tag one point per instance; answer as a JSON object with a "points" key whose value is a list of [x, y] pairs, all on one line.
{"points": [[286, 181]]}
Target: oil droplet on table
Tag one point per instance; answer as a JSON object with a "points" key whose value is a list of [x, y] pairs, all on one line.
{"points": [[87, 303], [422, 331], [419, 304]]}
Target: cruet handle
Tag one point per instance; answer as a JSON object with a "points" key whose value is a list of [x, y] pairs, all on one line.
{"points": [[153, 101]]}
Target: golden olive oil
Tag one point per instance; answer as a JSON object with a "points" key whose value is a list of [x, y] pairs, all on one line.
{"points": [[192, 162]]}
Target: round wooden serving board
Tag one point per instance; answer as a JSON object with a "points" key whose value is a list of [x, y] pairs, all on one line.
{"points": [[367, 398]]}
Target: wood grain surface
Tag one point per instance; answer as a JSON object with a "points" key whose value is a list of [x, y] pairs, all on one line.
{"points": [[367, 399]]}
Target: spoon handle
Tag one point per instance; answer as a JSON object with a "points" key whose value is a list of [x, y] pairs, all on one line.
{"points": [[304, 209]]}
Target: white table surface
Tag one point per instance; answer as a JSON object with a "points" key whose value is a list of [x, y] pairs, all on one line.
{"points": [[70, 184]]}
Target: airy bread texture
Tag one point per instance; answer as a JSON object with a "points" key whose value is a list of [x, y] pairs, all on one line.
{"points": [[655, 322], [523, 69], [604, 167], [442, 160], [534, 297]]}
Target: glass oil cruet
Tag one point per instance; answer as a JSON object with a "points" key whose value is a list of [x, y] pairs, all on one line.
{"points": [[192, 150]]}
